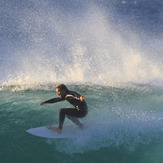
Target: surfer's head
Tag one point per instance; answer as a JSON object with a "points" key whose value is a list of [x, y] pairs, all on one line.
{"points": [[61, 90]]}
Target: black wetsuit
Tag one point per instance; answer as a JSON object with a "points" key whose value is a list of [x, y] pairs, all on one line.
{"points": [[79, 111]]}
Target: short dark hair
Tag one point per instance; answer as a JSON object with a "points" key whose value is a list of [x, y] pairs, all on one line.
{"points": [[62, 87]]}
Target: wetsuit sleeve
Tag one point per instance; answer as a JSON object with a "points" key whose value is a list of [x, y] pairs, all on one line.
{"points": [[54, 100], [72, 97]]}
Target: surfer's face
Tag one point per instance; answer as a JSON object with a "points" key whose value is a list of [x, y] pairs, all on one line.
{"points": [[60, 93]]}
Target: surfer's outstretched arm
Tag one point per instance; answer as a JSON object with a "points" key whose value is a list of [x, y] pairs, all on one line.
{"points": [[42, 103], [53, 100]]}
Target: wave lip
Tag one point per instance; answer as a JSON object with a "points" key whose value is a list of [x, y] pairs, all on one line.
{"points": [[81, 47]]}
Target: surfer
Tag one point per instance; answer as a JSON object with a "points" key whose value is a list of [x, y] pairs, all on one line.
{"points": [[78, 101]]}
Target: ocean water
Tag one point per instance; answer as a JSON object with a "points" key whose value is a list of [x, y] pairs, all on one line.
{"points": [[109, 51]]}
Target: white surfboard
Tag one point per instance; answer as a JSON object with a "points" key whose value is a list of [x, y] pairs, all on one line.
{"points": [[70, 131]]}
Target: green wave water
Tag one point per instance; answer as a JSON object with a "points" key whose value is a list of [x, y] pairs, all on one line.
{"points": [[125, 125]]}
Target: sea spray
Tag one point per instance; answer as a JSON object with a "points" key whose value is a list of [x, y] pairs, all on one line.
{"points": [[126, 133], [56, 46]]}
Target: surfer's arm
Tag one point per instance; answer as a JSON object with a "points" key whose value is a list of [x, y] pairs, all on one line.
{"points": [[81, 98], [53, 100]]}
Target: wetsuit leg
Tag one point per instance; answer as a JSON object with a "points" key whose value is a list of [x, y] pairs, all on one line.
{"points": [[72, 114], [75, 120]]}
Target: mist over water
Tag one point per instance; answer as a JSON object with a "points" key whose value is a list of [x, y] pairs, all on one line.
{"points": [[79, 42]]}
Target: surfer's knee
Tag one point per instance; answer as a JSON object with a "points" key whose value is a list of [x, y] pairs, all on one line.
{"points": [[61, 110], [69, 117]]}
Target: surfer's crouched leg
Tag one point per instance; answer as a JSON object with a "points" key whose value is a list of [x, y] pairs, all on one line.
{"points": [[75, 120], [61, 118], [72, 114]]}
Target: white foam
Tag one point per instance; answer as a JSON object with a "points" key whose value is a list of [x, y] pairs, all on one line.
{"points": [[79, 49], [129, 130]]}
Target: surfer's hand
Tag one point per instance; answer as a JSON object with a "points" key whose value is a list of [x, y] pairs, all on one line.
{"points": [[42, 103], [82, 98]]}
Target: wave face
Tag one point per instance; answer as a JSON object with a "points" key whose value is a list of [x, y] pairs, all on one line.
{"points": [[124, 124], [81, 41]]}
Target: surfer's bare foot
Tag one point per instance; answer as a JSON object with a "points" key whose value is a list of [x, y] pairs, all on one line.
{"points": [[58, 130]]}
